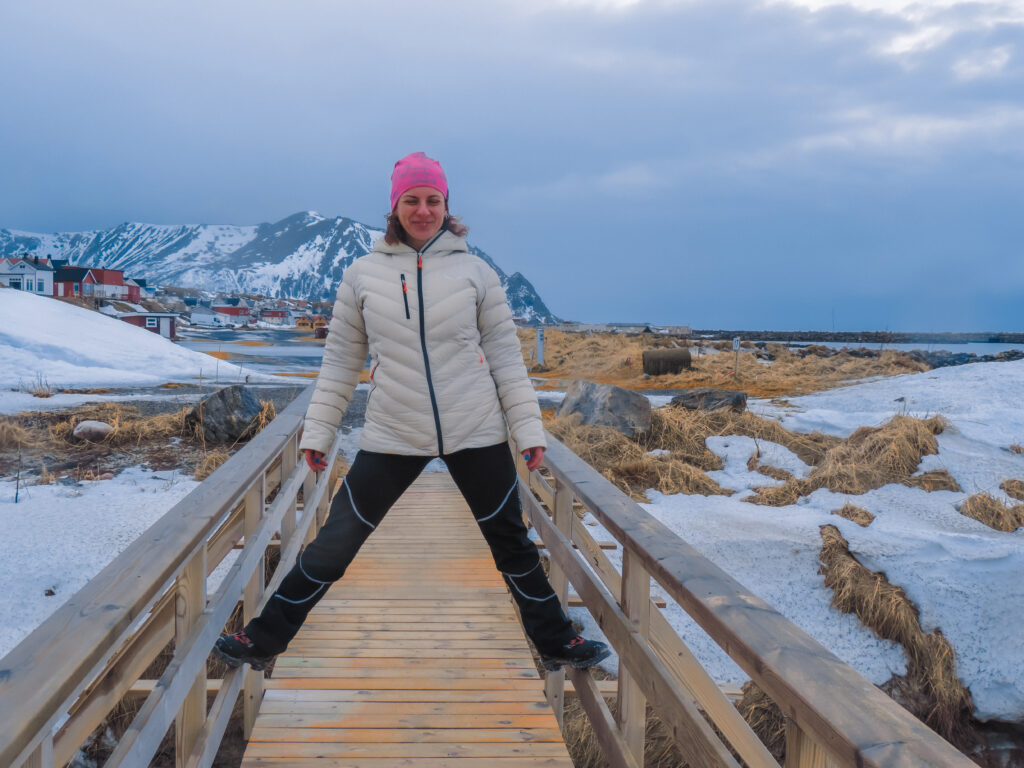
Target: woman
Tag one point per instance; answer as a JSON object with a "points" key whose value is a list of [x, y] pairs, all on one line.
{"points": [[447, 380]]}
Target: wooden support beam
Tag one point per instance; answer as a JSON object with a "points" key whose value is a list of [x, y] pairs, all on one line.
{"points": [[189, 603]]}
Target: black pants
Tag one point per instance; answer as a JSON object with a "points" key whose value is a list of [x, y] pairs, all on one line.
{"points": [[487, 479]]}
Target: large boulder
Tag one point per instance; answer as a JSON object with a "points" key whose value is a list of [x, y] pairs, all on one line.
{"points": [[229, 414], [606, 405], [711, 399]]}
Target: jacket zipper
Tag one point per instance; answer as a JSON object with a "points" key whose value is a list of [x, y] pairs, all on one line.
{"points": [[405, 298], [423, 343]]}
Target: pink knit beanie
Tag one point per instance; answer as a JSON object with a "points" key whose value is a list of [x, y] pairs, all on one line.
{"points": [[416, 170]]}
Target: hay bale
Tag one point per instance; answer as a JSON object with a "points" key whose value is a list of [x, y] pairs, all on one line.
{"points": [[657, 362], [860, 516], [992, 512]]}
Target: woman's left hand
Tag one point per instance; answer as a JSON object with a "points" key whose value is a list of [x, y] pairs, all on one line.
{"points": [[534, 457]]}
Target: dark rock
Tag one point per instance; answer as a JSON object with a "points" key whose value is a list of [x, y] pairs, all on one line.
{"points": [[711, 399], [229, 414], [606, 405]]}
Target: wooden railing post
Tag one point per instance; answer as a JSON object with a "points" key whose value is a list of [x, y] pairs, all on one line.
{"points": [[189, 604], [636, 602], [554, 685], [288, 460], [308, 488], [802, 752], [251, 596]]}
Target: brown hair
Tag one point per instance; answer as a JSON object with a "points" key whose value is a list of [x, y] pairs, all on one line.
{"points": [[395, 233]]}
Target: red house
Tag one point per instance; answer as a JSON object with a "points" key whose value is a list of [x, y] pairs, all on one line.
{"points": [[73, 281], [157, 322]]}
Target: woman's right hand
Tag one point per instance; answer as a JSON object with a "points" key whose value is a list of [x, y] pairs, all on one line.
{"points": [[315, 459]]}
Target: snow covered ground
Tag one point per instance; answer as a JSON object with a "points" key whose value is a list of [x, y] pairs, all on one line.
{"points": [[964, 577], [49, 343]]}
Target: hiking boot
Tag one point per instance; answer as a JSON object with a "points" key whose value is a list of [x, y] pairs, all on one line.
{"points": [[237, 649], [578, 653]]}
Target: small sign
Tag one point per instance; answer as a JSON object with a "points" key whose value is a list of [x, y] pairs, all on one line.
{"points": [[540, 345], [736, 343]]}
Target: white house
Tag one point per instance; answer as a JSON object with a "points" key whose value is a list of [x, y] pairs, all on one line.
{"points": [[35, 275]]}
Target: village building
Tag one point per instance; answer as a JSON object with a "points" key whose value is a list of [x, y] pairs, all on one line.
{"points": [[27, 274], [109, 284], [233, 311], [275, 316], [304, 323], [163, 323], [73, 281]]}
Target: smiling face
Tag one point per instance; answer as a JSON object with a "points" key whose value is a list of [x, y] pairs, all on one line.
{"points": [[421, 212]]}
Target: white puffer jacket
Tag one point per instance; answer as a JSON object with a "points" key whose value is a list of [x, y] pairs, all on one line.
{"points": [[446, 367]]}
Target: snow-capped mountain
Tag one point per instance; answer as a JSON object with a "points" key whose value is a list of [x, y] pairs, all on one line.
{"points": [[302, 256]]}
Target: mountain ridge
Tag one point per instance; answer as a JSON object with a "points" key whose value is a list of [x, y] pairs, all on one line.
{"points": [[302, 256]]}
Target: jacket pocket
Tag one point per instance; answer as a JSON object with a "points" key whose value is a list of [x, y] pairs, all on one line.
{"points": [[405, 298]]}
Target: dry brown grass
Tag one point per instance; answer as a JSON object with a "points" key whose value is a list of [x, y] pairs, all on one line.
{"points": [[869, 458], [660, 750], [1014, 489], [682, 433], [935, 480], [612, 358], [942, 701], [13, 436], [857, 514], [627, 464], [765, 719], [992, 512], [129, 428], [775, 473], [1017, 448], [210, 462]]}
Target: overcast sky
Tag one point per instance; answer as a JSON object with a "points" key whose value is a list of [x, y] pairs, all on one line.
{"points": [[798, 164]]}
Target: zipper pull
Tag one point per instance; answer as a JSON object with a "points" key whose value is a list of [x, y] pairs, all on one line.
{"points": [[419, 261]]}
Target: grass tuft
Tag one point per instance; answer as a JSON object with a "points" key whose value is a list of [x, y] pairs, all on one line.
{"points": [[940, 700], [13, 436], [935, 480], [210, 462], [869, 458], [858, 515], [1014, 489], [1017, 448], [992, 512], [765, 719]]}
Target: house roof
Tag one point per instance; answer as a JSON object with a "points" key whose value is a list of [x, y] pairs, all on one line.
{"points": [[71, 274]]}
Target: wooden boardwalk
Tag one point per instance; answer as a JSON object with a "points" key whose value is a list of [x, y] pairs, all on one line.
{"points": [[415, 658]]}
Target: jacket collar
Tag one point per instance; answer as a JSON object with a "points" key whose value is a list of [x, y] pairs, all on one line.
{"points": [[446, 243]]}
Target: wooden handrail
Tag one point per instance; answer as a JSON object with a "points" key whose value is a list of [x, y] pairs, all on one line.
{"points": [[41, 678], [851, 721]]}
